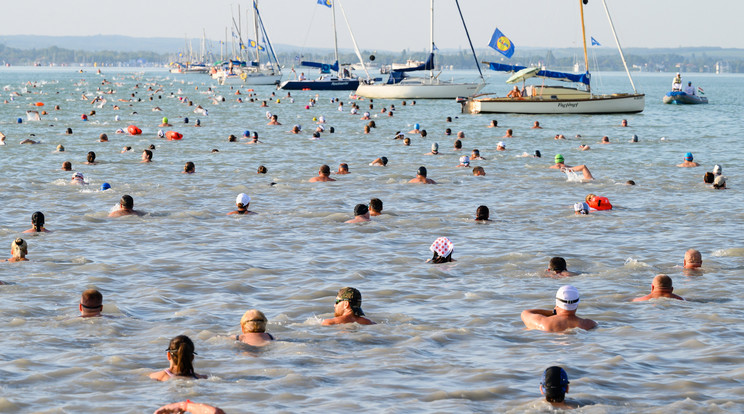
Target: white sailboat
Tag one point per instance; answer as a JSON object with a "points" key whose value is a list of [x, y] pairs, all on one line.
{"points": [[400, 86], [542, 99], [254, 72]]}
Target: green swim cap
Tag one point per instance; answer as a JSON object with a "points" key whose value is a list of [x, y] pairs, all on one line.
{"points": [[558, 158], [165, 120]]}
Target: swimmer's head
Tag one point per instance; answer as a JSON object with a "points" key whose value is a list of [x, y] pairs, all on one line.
{"points": [[581, 208], [434, 147], [416, 126], [717, 170], [554, 384], [558, 158], [253, 321], [538, 154], [384, 160], [360, 210], [688, 156], [161, 134], [421, 171], [126, 202], [165, 119], [60, 148], [242, 200], [105, 186], [246, 133], [465, 160]]}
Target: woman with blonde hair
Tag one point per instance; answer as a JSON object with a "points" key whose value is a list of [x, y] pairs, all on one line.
{"points": [[253, 325], [180, 354], [19, 250]]}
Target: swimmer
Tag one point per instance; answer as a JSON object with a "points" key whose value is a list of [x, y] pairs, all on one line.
{"points": [[442, 249], [375, 207], [407, 142], [254, 139], [67, 166], [605, 140], [559, 164], [253, 324], [91, 158], [661, 287], [262, 170], [242, 202], [501, 146], [37, 223], [693, 259], [460, 135], [509, 134], [343, 168], [60, 148], [416, 129], [554, 385], [361, 214], [146, 156], [18, 251], [475, 156], [458, 145], [482, 213], [323, 175], [91, 304], [126, 149], [379, 162], [584, 147], [624, 123], [560, 318], [688, 162], [634, 138], [188, 406], [557, 268], [559, 136], [421, 177], [126, 208], [164, 123], [189, 168], [494, 124], [29, 141], [103, 138], [296, 129], [581, 209], [274, 120], [78, 179], [434, 149], [479, 171], [536, 125], [464, 161], [719, 183], [180, 354], [348, 308]]}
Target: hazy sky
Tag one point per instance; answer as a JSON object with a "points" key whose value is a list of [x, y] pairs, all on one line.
{"points": [[393, 24]]}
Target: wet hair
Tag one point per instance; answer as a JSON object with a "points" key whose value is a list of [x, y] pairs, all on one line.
{"points": [[127, 201], [458, 144], [421, 171], [69, 131], [189, 167], [494, 122], [19, 248], [360, 209], [447, 131], [91, 298], [555, 383], [630, 182], [344, 166], [557, 264], [67, 166], [232, 138], [476, 152], [537, 154], [253, 321], [325, 170], [152, 146], [375, 204], [37, 219], [478, 169], [181, 350], [449, 119], [709, 177], [103, 137], [332, 130], [372, 124], [441, 259], [482, 213], [149, 154], [366, 128], [407, 141], [91, 156], [262, 170], [384, 160], [423, 133]]}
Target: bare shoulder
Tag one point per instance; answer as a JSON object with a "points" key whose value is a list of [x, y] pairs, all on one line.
{"points": [[159, 376]]}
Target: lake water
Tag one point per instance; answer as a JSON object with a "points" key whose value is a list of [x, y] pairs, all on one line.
{"points": [[449, 337]]}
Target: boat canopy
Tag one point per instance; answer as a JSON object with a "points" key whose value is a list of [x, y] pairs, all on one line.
{"points": [[324, 67], [562, 76]]}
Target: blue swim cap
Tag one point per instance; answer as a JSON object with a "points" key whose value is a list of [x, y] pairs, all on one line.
{"points": [[105, 186], [186, 120], [416, 126], [19, 120], [247, 133], [688, 156]]}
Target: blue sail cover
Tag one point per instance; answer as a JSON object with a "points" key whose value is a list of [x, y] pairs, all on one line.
{"points": [[324, 67], [562, 76], [428, 65]]}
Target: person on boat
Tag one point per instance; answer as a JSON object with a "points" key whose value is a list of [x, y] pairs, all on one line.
{"points": [[554, 386], [37, 221], [688, 161], [661, 287], [690, 90], [514, 93], [91, 304], [677, 83], [557, 268], [361, 214], [18, 250], [180, 354], [253, 325], [348, 308], [421, 177], [442, 249], [562, 317], [560, 165], [323, 175], [126, 208], [242, 202], [302, 76]]}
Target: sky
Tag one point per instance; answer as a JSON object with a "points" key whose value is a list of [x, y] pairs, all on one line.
{"points": [[393, 25]]}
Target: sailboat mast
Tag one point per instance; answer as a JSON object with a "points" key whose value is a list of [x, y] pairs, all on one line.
{"points": [[335, 34], [255, 31], [622, 56], [583, 37], [431, 35]]}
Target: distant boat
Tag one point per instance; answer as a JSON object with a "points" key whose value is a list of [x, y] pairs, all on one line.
{"points": [[542, 99], [683, 98], [400, 86], [332, 77]]}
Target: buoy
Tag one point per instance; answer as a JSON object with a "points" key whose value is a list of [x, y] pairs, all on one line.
{"points": [[305, 89], [173, 135], [133, 130], [39, 103]]}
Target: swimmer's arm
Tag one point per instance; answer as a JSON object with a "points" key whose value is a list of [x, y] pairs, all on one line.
{"points": [[535, 318], [188, 406]]}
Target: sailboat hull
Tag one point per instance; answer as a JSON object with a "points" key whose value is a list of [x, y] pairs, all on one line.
{"points": [[596, 104], [320, 85], [419, 90], [256, 78]]}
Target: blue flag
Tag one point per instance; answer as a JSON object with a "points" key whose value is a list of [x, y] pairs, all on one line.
{"points": [[326, 3], [595, 42], [501, 43]]}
